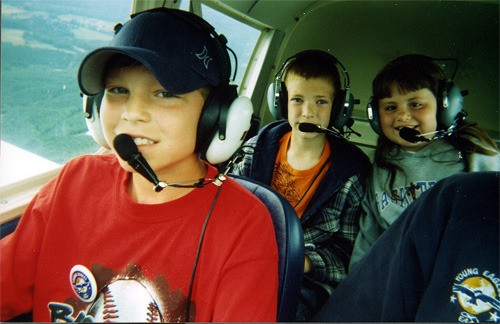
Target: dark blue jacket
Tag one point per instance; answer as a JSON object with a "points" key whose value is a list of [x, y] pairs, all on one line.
{"points": [[331, 220], [439, 261]]}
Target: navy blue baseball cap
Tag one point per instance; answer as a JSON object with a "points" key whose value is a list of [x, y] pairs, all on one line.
{"points": [[176, 46]]}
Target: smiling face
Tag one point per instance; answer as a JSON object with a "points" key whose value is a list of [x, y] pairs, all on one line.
{"points": [[414, 109], [310, 100], [162, 124]]}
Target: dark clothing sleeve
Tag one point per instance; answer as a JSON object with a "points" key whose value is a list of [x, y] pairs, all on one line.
{"points": [[438, 262], [332, 231]]}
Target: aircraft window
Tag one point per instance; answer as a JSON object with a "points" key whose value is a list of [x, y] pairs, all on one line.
{"points": [[241, 38], [42, 45]]}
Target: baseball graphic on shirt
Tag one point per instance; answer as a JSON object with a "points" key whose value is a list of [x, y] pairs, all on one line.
{"points": [[125, 300]]}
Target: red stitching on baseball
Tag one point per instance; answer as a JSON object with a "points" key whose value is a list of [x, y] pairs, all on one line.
{"points": [[110, 311], [153, 313]]}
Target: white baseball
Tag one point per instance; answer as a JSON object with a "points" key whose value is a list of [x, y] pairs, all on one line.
{"points": [[125, 301]]}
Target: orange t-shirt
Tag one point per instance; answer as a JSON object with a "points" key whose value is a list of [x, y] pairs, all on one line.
{"points": [[298, 186]]}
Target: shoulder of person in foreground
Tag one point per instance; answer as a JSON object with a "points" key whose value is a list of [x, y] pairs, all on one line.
{"points": [[438, 262]]}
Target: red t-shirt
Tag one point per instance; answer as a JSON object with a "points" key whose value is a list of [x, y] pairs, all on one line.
{"points": [[140, 256]]}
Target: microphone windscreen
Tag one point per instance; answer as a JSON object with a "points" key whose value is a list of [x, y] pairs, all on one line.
{"points": [[125, 146], [409, 134], [309, 128]]}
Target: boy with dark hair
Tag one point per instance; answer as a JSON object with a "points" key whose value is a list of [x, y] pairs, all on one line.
{"points": [[320, 174]]}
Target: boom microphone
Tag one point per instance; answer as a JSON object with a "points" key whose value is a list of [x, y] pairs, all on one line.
{"points": [[412, 135], [314, 128], [310, 128], [127, 150]]}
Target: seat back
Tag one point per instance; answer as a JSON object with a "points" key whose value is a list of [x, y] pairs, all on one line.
{"points": [[8, 227], [290, 241]]}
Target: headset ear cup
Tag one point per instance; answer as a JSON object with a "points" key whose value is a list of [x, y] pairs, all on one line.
{"points": [[208, 122], [219, 99], [283, 99], [373, 117], [342, 109], [91, 109], [238, 121], [273, 100], [449, 105], [277, 98]]}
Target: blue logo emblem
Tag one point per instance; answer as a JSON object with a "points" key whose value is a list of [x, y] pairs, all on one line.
{"points": [[83, 283]]}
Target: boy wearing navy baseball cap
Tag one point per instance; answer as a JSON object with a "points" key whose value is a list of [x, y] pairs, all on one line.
{"points": [[98, 243]]}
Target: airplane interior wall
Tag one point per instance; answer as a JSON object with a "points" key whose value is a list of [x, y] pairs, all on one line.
{"points": [[365, 35]]}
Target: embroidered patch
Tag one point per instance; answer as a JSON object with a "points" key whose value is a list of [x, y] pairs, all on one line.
{"points": [[83, 283], [477, 294]]}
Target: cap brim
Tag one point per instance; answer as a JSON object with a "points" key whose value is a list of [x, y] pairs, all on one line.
{"points": [[181, 78]]}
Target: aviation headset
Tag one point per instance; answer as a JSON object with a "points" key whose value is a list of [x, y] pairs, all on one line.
{"points": [[343, 103], [225, 118], [449, 99]]}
